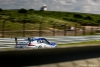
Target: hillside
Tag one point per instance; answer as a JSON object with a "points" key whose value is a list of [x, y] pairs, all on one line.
{"points": [[81, 18], [14, 19]]}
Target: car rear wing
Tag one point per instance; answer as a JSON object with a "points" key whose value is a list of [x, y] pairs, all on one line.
{"points": [[21, 39], [16, 41], [29, 40]]}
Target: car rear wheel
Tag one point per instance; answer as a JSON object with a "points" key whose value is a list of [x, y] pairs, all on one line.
{"points": [[40, 47]]}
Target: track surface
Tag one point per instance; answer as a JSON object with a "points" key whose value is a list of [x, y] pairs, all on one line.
{"points": [[92, 62], [41, 58]]}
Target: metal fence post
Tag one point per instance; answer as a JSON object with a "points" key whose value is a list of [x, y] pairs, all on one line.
{"points": [[75, 30], [54, 25], [24, 29], [40, 29], [64, 26], [3, 29], [64, 30], [91, 31], [83, 31]]}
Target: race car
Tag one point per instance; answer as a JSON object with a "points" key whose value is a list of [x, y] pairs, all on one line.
{"points": [[35, 43]]}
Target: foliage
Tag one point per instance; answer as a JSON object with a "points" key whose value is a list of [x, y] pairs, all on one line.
{"points": [[78, 16], [31, 9], [22, 10], [1, 9], [88, 18], [34, 17]]}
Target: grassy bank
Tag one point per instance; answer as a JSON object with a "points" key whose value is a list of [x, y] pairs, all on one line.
{"points": [[14, 19], [95, 42]]}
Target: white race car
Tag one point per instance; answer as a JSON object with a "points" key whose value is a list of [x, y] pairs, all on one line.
{"points": [[35, 43]]}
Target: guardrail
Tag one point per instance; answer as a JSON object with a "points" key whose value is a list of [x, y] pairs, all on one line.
{"points": [[10, 42]]}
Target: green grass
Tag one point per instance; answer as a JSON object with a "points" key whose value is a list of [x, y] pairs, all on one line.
{"points": [[14, 19], [95, 42], [6, 49]]}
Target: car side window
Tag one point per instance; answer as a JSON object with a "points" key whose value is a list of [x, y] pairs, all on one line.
{"points": [[39, 41], [43, 41]]}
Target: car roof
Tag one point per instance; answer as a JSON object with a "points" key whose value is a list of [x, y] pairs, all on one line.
{"points": [[39, 38], [36, 38]]}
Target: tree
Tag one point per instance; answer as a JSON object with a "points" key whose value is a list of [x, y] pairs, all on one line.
{"points": [[1, 9], [22, 10], [88, 18], [98, 21], [31, 9], [78, 16]]}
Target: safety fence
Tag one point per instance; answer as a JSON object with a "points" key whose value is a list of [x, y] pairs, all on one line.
{"points": [[54, 30], [10, 42]]}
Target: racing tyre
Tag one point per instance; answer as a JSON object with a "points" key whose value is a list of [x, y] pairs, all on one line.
{"points": [[56, 46], [40, 47]]}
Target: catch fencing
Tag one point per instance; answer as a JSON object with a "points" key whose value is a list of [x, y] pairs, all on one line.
{"points": [[41, 30], [10, 42]]}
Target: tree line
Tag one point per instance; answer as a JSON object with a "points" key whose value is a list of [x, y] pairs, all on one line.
{"points": [[81, 18]]}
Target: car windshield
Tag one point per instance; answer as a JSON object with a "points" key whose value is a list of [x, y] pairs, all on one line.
{"points": [[44, 41]]}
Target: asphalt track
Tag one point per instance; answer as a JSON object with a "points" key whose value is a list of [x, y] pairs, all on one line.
{"points": [[50, 56], [39, 57]]}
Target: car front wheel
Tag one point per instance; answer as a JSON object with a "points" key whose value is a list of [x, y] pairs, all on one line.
{"points": [[56, 46]]}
